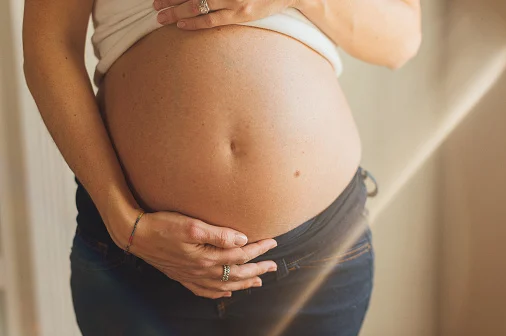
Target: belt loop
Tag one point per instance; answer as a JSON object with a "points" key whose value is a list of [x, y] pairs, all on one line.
{"points": [[366, 175], [282, 270]]}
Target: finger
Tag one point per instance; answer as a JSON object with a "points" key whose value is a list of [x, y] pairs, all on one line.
{"points": [[238, 256], [230, 286], [205, 292], [161, 4], [187, 9], [243, 272], [203, 233], [210, 20]]}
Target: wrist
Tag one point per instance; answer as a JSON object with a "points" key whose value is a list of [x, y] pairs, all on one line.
{"points": [[119, 216], [307, 5]]}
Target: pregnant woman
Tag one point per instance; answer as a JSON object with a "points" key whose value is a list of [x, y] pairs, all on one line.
{"points": [[218, 166]]}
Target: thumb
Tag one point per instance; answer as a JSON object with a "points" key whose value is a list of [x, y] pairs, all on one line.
{"points": [[219, 236]]}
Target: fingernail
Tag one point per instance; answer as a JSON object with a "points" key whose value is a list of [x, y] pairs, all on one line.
{"points": [[228, 295], [181, 24], [240, 239], [273, 268], [162, 17], [157, 4], [257, 283], [274, 244]]}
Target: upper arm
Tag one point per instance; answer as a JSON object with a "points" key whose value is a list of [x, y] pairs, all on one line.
{"points": [[49, 24]]}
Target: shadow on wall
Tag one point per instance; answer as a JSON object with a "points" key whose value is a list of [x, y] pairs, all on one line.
{"points": [[472, 267], [397, 111]]}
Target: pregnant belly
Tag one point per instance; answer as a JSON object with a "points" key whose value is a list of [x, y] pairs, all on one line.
{"points": [[237, 126]]}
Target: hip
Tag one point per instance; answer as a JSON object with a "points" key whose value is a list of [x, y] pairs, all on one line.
{"points": [[324, 281]]}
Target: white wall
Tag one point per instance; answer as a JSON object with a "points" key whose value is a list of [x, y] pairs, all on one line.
{"points": [[15, 254], [43, 185]]}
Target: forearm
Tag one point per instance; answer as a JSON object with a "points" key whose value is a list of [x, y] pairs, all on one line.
{"points": [[62, 91], [382, 32]]}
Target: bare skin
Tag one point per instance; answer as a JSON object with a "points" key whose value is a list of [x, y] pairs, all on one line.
{"points": [[186, 249], [214, 148], [231, 138]]}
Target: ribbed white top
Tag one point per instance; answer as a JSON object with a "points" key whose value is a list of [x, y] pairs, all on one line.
{"points": [[120, 23]]}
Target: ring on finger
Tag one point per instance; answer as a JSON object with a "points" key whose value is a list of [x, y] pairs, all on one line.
{"points": [[203, 7], [226, 272]]}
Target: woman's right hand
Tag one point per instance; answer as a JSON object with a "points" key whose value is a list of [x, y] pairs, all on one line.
{"points": [[193, 253]]}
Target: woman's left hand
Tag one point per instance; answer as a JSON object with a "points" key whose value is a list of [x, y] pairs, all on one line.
{"points": [[221, 12]]}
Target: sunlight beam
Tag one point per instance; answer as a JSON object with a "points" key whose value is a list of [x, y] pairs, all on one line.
{"points": [[459, 107]]}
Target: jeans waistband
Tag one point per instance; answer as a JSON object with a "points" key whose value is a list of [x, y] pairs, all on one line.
{"points": [[330, 225], [333, 221]]}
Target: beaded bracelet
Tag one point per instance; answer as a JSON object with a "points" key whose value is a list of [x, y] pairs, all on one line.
{"points": [[127, 249]]}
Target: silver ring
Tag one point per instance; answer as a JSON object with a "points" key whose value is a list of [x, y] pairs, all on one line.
{"points": [[226, 272], [203, 7]]}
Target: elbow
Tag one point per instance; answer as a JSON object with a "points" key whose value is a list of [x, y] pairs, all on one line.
{"points": [[31, 55], [27, 68], [29, 71], [405, 51]]}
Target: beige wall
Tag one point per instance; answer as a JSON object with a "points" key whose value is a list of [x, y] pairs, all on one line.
{"points": [[473, 268], [397, 112], [473, 293]]}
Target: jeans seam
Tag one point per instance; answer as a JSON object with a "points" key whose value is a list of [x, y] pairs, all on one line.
{"points": [[341, 261], [92, 243], [84, 264], [292, 263], [357, 249]]}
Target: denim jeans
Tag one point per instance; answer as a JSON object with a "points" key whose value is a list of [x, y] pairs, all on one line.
{"points": [[320, 288]]}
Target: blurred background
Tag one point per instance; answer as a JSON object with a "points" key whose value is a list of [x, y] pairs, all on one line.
{"points": [[434, 136]]}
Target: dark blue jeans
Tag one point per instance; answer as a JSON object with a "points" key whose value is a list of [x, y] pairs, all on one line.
{"points": [[322, 286]]}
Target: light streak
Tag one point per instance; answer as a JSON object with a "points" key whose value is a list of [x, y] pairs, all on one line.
{"points": [[459, 107]]}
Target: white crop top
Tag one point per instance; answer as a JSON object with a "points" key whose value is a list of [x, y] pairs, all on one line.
{"points": [[120, 23]]}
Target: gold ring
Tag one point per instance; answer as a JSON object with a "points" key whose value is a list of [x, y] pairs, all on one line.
{"points": [[226, 273]]}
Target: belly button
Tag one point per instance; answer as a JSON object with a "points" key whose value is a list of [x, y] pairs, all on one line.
{"points": [[237, 151], [297, 173]]}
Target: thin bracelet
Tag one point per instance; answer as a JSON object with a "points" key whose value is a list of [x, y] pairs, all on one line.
{"points": [[127, 249]]}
